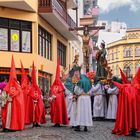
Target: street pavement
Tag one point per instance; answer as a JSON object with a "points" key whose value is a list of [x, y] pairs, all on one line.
{"points": [[101, 130]]}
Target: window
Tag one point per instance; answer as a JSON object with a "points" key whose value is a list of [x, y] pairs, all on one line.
{"points": [[112, 55], [26, 26], [113, 70], [108, 57], [14, 24], [4, 22], [128, 52], [3, 39], [44, 82], [125, 50], [26, 43], [116, 53], [137, 67], [61, 52], [131, 69], [117, 70], [137, 52], [15, 35], [128, 70], [45, 44]]}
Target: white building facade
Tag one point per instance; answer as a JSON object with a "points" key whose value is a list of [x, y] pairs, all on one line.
{"points": [[113, 31]]}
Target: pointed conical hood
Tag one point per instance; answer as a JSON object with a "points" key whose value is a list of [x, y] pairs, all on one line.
{"points": [[24, 78], [124, 78], [57, 81], [13, 70], [57, 76], [35, 91], [13, 88], [33, 75], [136, 79], [118, 84]]}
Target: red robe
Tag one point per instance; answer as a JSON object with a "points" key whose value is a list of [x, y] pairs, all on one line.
{"points": [[28, 102], [37, 108], [58, 110], [28, 108], [15, 119], [127, 113], [137, 88]]}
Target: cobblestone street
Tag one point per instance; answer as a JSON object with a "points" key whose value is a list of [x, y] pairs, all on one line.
{"points": [[100, 131]]}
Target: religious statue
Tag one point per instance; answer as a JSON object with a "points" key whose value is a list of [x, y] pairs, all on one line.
{"points": [[87, 50], [75, 71], [76, 59], [109, 73], [73, 76], [101, 62], [86, 38], [64, 76]]}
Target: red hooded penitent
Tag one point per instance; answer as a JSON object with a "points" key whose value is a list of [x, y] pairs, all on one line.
{"points": [[28, 102], [128, 113], [13, 111], [38, 110], [58, 108], [124, 78]]}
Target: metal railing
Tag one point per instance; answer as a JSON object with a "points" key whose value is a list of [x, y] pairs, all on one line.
{"points": [[58, 7]]}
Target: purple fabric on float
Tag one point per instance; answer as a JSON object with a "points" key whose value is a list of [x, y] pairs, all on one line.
{"points": [[2, 85]]}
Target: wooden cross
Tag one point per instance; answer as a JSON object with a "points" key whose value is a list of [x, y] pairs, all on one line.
{"points": [[86, 27]]}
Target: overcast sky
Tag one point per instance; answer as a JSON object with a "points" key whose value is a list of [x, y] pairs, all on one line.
{"points": [[121, 10]]}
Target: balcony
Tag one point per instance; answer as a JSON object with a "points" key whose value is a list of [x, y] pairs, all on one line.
{"points": [[57, 16], [26, 5]]}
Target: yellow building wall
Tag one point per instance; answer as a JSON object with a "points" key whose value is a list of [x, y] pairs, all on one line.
{"points": [[121, 45], [17, 14], [27, 58], [33, 4], [50, 66]]}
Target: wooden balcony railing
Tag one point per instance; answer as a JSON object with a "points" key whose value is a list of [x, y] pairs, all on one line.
{"points": [[51, 5]]}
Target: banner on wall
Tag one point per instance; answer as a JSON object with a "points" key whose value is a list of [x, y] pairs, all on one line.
{"points": [[15, 40], [3, 39]]}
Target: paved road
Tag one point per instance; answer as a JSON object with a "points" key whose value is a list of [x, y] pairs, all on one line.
{"points": [[100, 131]]}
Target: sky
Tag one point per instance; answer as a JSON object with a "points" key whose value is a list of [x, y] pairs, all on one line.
{"points": [[127, 11]]}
